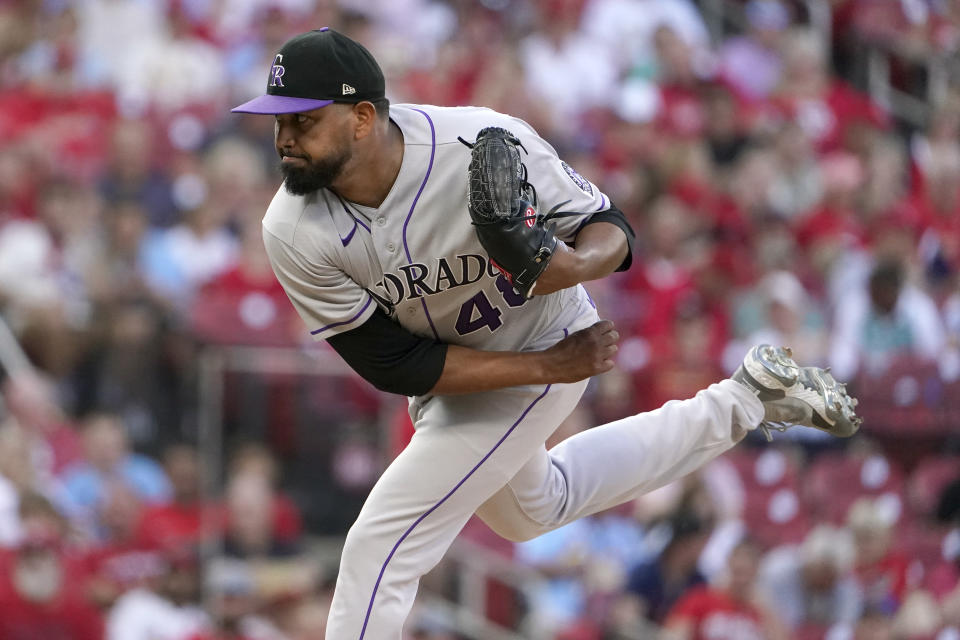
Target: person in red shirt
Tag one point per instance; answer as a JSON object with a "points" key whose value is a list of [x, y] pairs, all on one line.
{"points": [[40, 595], [177, 524], [831, 113], [125, 560], [728, 611], [881, 570]]}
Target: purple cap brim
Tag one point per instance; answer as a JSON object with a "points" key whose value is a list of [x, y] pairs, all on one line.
{"points": [[273, 105]]}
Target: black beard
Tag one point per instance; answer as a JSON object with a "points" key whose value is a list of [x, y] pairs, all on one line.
{"points": [[316, 175]]}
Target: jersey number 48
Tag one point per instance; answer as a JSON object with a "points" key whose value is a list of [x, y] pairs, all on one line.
{"points": [[478, 312]]}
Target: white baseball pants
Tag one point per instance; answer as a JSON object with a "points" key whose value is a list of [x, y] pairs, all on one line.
{"points": [[485, 453]]}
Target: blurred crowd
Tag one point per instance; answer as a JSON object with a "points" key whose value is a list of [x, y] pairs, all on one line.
{"points": [[774, 201]]}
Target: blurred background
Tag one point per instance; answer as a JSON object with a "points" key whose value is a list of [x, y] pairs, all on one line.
{"points": [[178, 461]]}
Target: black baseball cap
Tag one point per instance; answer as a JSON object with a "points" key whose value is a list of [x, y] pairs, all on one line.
{"points": [[314, 69]]}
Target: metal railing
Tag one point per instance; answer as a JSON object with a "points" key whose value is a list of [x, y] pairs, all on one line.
{"points": [[13, 359]]}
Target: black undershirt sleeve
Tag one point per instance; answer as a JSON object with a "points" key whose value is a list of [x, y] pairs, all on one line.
{"points": [[391, 358], [613, 215]]}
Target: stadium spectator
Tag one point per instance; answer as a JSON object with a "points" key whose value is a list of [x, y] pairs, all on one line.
{"points": [[133, 172], [116, 273], [188, 255], [725, 128], [260, 522], [177, 524], [936, 207], [250, 526], [254, 460], [561, 557], [582, 565], [41, 591], [790, 317], [830, 112], [163, 607], [248, 297], [232, 605], [681, 368], [812, 585], [108, 461], [658, 584], [126, 557], [564, 66], [31, 401], [889, 319], [751, 62], [727, 611], [682, 85], [627, 28], [106, 27], [797, 186], [881, 570], [152, 76]]}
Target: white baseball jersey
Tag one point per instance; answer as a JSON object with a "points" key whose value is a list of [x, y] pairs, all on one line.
{"points": [[417, 255]]}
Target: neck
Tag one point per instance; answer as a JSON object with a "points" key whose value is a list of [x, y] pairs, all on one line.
{"points": [[373, 169]]}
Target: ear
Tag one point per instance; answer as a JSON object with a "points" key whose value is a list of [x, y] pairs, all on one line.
{"points": [[365, 117]]}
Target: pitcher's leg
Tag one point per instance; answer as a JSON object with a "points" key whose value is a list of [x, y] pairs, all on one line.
{"points": [[465, 449], [612, 463]]}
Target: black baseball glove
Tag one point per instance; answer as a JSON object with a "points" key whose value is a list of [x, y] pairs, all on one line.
{"points": [[503, 207]]}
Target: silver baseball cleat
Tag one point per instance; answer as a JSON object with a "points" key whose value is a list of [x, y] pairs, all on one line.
{"points": [[792, 395]]}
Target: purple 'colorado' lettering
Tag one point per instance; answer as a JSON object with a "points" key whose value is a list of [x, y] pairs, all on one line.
{"points": [[393, 286], [416, 280], [481, 264], [445, 274]]}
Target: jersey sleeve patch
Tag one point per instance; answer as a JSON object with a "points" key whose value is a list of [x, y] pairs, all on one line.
{"points": [[578, 180]]}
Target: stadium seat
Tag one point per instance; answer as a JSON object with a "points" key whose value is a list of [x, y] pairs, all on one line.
{"points": [[835, 481], [921, 539], [251, 318], [907, 399], [775, 518], [765, 470]]}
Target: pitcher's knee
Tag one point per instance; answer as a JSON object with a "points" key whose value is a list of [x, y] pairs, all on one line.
{"points": [[516, 530]]}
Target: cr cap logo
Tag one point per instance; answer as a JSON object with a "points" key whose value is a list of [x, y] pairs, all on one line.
{"points": [[348, 90], [277, 71], [530, 216]]}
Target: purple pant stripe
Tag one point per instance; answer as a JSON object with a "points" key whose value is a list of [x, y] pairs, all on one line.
{"points": [[406, 533]]}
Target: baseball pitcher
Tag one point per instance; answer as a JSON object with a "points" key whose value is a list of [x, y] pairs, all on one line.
{"points": [[440, 252]]}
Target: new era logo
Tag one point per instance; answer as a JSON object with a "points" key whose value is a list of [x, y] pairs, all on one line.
{"points": [[347, 90]]}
